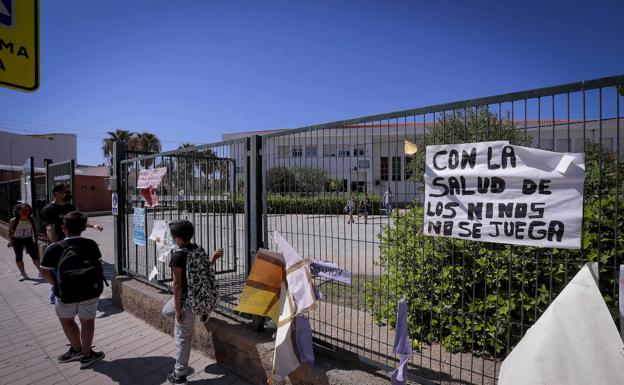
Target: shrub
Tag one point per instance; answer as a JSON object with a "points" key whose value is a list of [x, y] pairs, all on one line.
{"points": [[482, 297]]}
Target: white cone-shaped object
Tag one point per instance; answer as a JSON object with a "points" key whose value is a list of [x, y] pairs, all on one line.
{"points": [[575, 341]]}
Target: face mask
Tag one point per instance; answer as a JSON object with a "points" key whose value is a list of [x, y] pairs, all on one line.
{"points": [[67, 198]]}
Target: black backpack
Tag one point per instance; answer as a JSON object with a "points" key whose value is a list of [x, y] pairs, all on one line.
{"points": [[79, 278]]}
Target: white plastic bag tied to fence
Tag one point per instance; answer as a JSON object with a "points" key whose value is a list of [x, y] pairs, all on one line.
{"points": [[162, 237], [497, 192]]}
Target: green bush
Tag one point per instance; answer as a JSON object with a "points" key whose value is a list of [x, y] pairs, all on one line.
{"points": [[322, 204], [284, 204], [482, 297]]}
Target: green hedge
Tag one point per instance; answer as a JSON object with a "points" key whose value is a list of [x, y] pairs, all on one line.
{"points": [[286, 204], [482, 297]]}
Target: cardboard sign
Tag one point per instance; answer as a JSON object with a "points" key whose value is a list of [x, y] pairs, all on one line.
{"points": [[497, 192], [151, 177]]}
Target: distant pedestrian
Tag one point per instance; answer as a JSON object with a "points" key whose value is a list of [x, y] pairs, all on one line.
{"points": [[365, 207], [78, 282], [23, 235], [52, 217], [194, 292], [349, 208], [387, 200]]}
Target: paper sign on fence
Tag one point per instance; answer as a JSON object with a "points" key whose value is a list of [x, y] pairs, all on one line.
{"points": [[138, 222], [151, 177], [330, 270], [497, 192]]}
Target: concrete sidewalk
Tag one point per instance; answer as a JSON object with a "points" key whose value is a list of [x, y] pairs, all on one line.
{"points": [[31, 338]]}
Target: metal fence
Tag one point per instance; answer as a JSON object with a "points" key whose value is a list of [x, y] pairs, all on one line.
{"points": [[470, 302], [204, 185]]}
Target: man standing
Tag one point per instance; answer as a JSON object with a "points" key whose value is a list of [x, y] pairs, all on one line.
{"points": [[52, 214], [387, 201]]}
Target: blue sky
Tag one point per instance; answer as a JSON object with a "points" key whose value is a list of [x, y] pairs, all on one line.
{"points": [[193, 70]]}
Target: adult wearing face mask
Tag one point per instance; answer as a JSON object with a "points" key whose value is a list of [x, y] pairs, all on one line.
{"points": [[53, 213]]}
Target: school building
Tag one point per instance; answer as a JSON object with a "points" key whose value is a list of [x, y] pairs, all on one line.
{"points": [[372, 157]]}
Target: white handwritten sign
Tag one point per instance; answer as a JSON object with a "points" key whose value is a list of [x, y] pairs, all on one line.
{"points": [[330, 270], [151, 177], [497, 192]]}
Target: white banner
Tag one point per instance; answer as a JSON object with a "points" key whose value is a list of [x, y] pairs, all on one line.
{"points": [[330, 270], [151, 177], [497, 192]]}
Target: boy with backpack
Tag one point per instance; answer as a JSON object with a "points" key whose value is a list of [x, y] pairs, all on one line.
{"points": [[195, 292], [74, 267]]}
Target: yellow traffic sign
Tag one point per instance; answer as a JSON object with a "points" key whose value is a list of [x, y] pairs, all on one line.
{"points": [[19, 44]]}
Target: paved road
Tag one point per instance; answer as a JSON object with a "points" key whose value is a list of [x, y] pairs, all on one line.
{"points": [[31, 337]]}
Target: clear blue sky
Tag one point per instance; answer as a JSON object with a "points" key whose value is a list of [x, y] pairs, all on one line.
{"points": [[192, 70]]}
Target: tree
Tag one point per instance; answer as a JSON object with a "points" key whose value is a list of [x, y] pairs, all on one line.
{"points": [[107, 145], [465, 126], [145, 142], [280, 180], [309, 180]]}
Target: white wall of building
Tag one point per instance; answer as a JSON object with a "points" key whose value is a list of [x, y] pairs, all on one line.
{"points": [[355, 154], [16, 148]]}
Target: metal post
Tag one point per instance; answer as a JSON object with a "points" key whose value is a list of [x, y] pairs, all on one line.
{"points": [[253, 209], [119, 154]]}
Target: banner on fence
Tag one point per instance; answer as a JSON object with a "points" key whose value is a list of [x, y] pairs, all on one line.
{"points": [[138, 222], [331, 271], [151, 177], [497, 192]]}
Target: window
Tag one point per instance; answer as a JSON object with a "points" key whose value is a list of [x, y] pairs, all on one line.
{"points": [[383, 167], [344, 151], [409, 167], [358, 151], [311, 151], [329, 150], [363, 164], [296, 152], [282, 151], [396, 168]]}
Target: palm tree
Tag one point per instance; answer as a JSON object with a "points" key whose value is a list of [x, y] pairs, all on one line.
{"points": [[146, 142], [107, 144]]}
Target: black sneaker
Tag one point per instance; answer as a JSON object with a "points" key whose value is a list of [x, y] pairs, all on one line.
{"points": [[70, 356], [91, 359], [175, 379]]}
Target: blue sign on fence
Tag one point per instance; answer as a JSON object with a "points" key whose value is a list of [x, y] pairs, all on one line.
{"points": [[138, 221]]}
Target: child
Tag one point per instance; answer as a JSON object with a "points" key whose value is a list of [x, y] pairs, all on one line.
{"points": [[365, 206], [77, 293], [23, 234], [182, 232], [350, 208]]}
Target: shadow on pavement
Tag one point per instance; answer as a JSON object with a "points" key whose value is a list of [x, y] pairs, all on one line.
{"points": [[107, 307], [137, 370]]}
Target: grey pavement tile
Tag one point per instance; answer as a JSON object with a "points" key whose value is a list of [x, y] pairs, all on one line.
{"points": [[14, 377], [50, 380], [44, 373]]}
